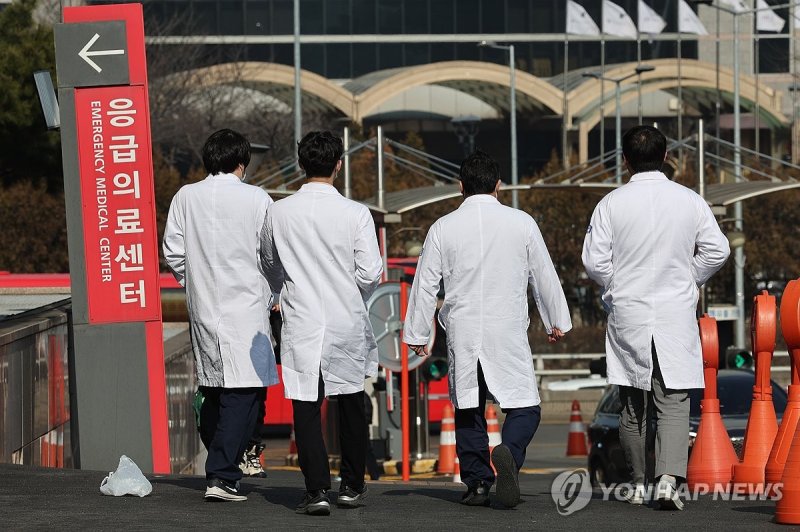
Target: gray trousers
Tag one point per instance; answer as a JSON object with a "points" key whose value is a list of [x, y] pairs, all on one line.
{"points": [[670, 409]]}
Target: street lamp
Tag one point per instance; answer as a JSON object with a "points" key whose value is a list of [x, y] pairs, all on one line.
{"points": [[737, 157], [618, 95], [513, 112]]}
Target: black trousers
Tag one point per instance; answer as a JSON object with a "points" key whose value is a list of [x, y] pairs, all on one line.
{"points": [[311, 452], [227, 420], [472, 440], [258, 426]]}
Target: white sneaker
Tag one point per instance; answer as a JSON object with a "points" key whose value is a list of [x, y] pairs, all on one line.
{"points": [[220, 490], [636, 495], [667, 494]]}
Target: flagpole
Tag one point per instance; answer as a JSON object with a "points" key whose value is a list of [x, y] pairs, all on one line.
{"points": [[564, 110], [680, 100], [602, 82], [718, 106], [792, 73], [639, 79], [757, 107]]}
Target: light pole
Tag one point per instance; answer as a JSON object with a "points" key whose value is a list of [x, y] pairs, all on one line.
{"points": [[512, 112], [738, 258], [618, 95]]}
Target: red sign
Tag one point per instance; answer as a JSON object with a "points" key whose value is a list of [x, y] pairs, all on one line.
{"points": [[117, 196]]}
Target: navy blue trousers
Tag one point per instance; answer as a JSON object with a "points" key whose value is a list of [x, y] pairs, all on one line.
{"points": [[227, 419], [472, 440]]}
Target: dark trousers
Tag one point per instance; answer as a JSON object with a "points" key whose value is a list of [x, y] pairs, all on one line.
{"points": [[227, 419], [472, 440], [258, 426], [311, 452]]}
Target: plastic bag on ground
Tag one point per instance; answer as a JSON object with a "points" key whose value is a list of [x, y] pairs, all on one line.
{"points": [[126, 480]]}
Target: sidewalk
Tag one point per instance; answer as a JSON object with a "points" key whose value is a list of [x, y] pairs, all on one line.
{"points": [[67, 499]]}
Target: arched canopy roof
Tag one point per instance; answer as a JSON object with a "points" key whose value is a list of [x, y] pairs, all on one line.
{"points": [[487, 81], [729, 193], [277, 80], [698, 86], [490, 83]]}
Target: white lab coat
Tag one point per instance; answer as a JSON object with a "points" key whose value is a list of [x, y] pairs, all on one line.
{"points": [[320, 253], [211, 243], [650, 245], [487, 254]]}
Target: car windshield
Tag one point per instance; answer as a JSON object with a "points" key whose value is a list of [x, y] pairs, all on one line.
{"points": [[735, 395]]}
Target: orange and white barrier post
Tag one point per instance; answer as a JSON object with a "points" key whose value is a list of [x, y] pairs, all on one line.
{"points": [[576, 441], [447, 441]]}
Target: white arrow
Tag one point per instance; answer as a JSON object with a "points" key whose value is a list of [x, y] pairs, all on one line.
{"points": [[85, 54]]}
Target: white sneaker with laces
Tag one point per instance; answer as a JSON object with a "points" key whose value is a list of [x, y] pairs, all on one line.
{"points": [[667, 494], [636, 495]]}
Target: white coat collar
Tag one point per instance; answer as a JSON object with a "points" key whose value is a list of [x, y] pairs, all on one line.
{"points": [[647, 176], [224, 177], [319, 187], [480, 198]]}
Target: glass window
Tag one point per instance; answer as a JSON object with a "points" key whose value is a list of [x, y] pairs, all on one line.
{"points": [[443, 52], [547, 17], [390, 16], [417, 54], [517, 16], [339, 61], [471, 52], [364, 17], [231, 18], [311, 17], [416, 16], [390, 56], [442, 16], [466, 19], [337, 17], [257, 18], [282, 22], [492, 16], [364, 59], [773, 56], [312, 58], [204, 17]]}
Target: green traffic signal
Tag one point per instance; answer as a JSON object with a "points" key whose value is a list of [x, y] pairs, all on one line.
{"points": [[739, 358], [434, 369]]}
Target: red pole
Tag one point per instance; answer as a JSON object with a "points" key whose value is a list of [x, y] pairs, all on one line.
{"points": [[404, 388]]}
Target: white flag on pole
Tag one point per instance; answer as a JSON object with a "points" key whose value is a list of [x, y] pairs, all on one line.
{"points": [[650, 21], [688, 21], [767, 20], [578, 20], [617, 22], [737, 6]]}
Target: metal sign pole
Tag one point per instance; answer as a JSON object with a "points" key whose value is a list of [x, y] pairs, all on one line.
{"points": [[404, 389]]}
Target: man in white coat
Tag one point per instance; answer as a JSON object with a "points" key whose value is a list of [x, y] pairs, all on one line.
{"points": [[487, 254], [650, 245], [320, 252], [211, 243]]}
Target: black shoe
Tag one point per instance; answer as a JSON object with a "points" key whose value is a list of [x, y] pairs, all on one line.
{"points": [[507, 476], [477, 495], [314, 503], [251, 461], [222, 490], [351, 497]]}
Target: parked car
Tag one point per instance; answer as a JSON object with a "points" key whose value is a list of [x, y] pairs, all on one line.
{"points": [[607, 463]]}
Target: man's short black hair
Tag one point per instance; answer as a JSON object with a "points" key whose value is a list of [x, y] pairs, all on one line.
{"points": [[224, 151], [318, 153], [479, 174], [644, 148]]}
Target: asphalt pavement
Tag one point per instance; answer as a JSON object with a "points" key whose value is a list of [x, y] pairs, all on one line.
{"points": [[41, 498]]}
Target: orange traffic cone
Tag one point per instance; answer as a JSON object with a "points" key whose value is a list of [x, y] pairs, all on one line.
{"points": [[576, 442], [456, 472], [787, 509], [493, 428], [790, 325], [762, 425], [712, 456], [447, 441], [292, 443]]}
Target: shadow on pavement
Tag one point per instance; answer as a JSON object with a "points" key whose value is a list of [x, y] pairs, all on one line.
{"points": [[286, 497], [769, 510]]}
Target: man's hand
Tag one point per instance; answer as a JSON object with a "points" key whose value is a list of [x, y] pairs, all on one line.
{"points": [[276, 307], [555, 335], [420, 350]]}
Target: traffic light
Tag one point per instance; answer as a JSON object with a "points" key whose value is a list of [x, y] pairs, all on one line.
{"points": [[737, 358]]}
